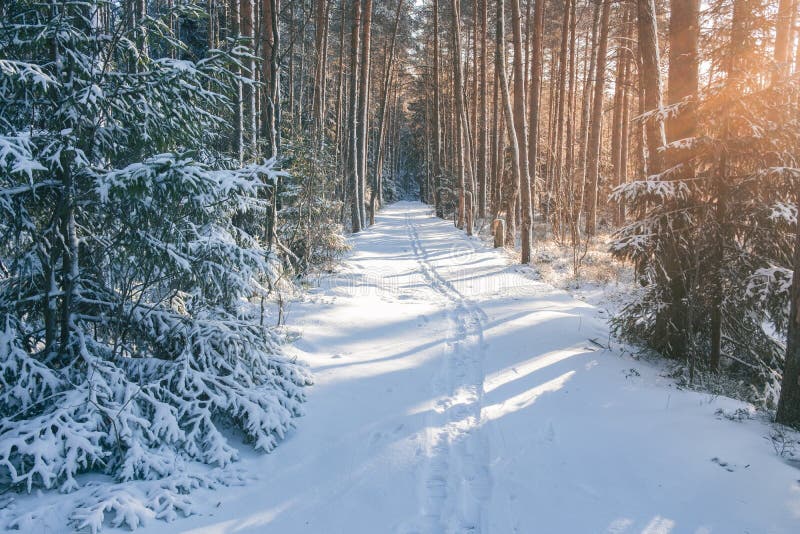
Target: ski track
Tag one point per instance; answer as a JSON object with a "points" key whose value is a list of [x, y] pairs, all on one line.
{"points": [[456, 482]]}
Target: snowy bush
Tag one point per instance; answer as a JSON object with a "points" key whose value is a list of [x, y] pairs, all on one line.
{"points": [[128, 258]]}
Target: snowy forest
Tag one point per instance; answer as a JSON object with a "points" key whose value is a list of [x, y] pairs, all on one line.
{"points": [[333, 265]]}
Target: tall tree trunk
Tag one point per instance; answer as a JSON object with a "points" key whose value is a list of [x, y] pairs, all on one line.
{"points": [[684, 32], [521, 130], [622, 177], [617, 125], [460, 124], [535, 96], [363, 105], [238, 110], [570, 117], [437, 115], [352, 123], [320, 70], [586, 108], [593, 149], [682, 88], [512, 195], [735, 52], [497, 146], [483, 125], [651, 83], [270, 109], [789, 403], [474, 128], [248, 90], [340, 105], [783, 37], [558, 139]]}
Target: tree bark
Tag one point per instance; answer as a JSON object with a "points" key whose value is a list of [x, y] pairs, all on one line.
{"points": [[437, 115], [651, 83], [789, 403], [238, 109], [618, 125], [558, 139], [483, 125], [535, 97], [363, 106], [682, 89], [270, 109], [593, 149], [460, 125], [513, 195], [586, 108], [521, 130], [684, 32], [783, 37], [320, 70], [352, 123]]}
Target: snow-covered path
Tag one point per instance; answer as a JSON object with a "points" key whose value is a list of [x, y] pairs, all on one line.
{"points": [[456, 394]]}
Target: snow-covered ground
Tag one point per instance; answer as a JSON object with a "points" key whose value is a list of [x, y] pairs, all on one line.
{"points": [[455, 393]]}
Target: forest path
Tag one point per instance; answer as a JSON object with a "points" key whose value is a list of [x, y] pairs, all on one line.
{"points": [[454, 394]]}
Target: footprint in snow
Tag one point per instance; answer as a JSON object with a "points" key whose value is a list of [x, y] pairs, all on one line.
{"points": [[725, 465]]}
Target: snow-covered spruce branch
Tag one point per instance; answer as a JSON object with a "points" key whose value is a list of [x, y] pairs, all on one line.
{"points": [[132, 245]]}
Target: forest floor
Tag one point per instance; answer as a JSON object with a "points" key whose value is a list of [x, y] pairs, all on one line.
{"points": [[456, 392]]}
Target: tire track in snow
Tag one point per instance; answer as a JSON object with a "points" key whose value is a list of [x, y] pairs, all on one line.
{"points": [[456, 482]]}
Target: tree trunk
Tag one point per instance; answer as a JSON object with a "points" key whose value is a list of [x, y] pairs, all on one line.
{"points": [[684, 32], [789, 403], [483, 124], [535, 97], [593, 148], [521, 130], [618, 126], [363, 106], [651, 82], [320, 69], [497, 146], [270, 109], [352, 123], [783, 37], [587, 105], [513, 194], [460, 125], [238, 111], [622, 177], [561, 94], [437, 115], [340, 104], [682, 88]]}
